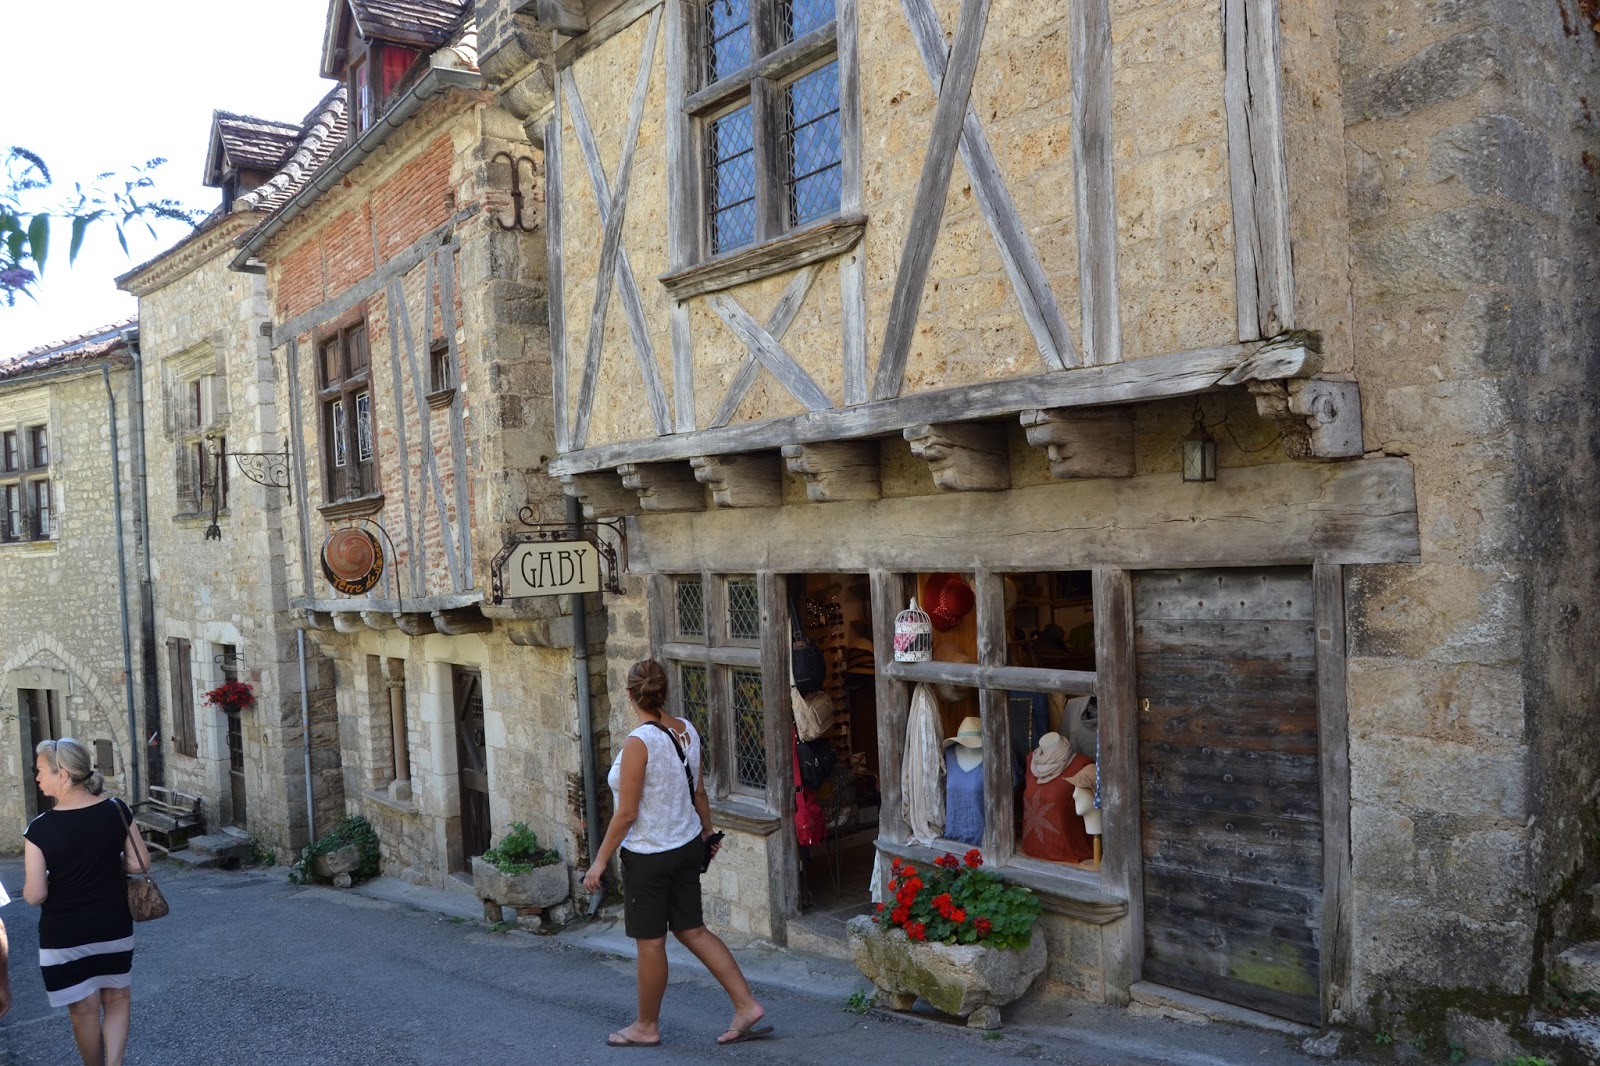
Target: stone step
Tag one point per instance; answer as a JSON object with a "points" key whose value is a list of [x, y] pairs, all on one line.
{"points": [[193, 860], [1578, 968], [226, 848]]}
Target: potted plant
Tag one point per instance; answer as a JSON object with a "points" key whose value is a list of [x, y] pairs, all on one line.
{"points": [[519, 873], [960, 938], [231, 696]]}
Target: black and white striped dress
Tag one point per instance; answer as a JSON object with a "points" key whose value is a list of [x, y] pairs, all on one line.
{"points": [[85, 931]]}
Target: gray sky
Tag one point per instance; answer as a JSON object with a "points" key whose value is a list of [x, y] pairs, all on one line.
{"points": [[100, 85]]}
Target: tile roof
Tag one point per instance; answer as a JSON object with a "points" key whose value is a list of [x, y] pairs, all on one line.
{"points": [[423, 22], [324, 132], [85, 347], [256, 143]]}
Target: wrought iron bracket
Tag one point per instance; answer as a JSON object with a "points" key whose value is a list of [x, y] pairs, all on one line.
{"points": [[270, 469], [559, 532], [517, 195]]}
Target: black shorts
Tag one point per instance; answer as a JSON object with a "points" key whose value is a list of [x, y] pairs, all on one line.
{"points": [[661, 891]]}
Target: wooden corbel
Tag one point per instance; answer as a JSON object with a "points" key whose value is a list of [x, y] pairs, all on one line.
{"points": [[602, 494], [841, 470], [1316, 419], [754, 480], [664, 487], [460, 621], [565, 17], [1084, 442], [963, 456], [415, 623]]}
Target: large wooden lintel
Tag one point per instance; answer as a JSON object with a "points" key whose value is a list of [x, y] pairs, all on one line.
{"points": [[565, 17], [842, 470], [1317, 419], [741, 480], [664, 486], [963, 456], [1084, 442], [603, 494]]}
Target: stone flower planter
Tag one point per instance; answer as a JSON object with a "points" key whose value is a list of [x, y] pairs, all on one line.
{"points": [[543, 886], [337, 865], [972, 981]]}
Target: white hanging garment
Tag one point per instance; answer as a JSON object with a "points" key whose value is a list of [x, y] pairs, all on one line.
{"points": [[922, 769], [877, 876]]}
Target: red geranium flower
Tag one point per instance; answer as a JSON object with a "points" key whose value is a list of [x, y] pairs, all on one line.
{"points": [[881, 906], [917, 931], [907, 870], [947, 862], [899, 915], [974, 858], [958, 916], [983, 925]]}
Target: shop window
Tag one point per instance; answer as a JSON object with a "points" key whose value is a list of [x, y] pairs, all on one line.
{"points": [[26, 502], [345, 397], [180, 679]]}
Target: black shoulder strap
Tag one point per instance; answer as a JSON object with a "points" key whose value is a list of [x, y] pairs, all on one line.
{"points": [[688, 774]]}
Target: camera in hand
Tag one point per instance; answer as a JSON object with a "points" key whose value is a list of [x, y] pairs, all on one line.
{"points": [[710, 842]]}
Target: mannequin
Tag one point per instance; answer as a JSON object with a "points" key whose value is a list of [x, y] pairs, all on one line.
{"points": [[963, 788], [1083, 803], [1052, 828]]}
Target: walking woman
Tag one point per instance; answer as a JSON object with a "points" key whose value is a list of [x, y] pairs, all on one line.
{"points": [[661, 824], [76, 857]]}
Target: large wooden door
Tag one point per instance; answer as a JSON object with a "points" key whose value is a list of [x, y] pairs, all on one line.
{"points": [[1229, 788], [472, 753], [236, 770], [44, 723]]}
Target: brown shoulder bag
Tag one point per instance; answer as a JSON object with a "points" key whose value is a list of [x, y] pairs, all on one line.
{"points": [[145, 901]]}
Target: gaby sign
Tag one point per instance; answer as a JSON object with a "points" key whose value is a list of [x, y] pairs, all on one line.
{"points": [[550, 569]]}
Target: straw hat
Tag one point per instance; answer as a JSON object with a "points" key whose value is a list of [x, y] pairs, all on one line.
{"points": [[969, 735]]}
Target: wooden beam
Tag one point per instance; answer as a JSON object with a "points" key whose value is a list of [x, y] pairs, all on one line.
{"points": [[1337, 924], [1031, 678], [927, 213], [1096, 181], [460, 622], [963, 456], [603, 495], [565, 17], [1122, 869], [797, 248], [1156, 378], [999, 798], [1284, 514], [772, 355], [1097, 442], [783, 857], [556, 291], [1278, 359], [846, 470], [664, 486], [890, 595], [741, 480], [778, 322]]}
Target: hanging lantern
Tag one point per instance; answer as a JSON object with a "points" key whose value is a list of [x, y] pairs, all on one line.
{"points": [[1199, 451], [913, 635]]}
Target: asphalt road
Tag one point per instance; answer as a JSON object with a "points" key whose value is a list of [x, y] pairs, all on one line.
{"points": [[249, 969]]}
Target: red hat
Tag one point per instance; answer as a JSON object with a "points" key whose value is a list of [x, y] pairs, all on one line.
{"points": [[948, 598]]}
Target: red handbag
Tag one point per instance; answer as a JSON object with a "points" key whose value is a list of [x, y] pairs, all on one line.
{"points": [[810, 826]]}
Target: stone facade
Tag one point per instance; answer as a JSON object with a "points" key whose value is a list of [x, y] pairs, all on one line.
{"points": [[65, 672]]}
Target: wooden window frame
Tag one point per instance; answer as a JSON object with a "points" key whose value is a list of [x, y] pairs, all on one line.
{"points": [[181, 692], [760, 83], [337, 398], [26, 475], [199, 413]]}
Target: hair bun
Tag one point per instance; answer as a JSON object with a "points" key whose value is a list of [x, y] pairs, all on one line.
{"points": [[96, 783], [647, 685]]}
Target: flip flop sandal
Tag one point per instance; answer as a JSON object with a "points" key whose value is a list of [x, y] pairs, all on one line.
{"points": [[754, 1032], [616, 1039]]}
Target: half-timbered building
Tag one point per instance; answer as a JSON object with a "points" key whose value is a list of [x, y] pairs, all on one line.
{"points": [[1145, 346]]}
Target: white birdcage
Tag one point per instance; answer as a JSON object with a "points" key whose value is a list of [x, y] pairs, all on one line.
{"points": [[913, 635]]}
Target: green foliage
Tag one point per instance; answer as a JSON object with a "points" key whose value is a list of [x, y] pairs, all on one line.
{"points": [[261, 855], [1384, 1037], [858, 1002], [1420, 1043], [1457, 1052], [519, 852], [357, 831], [993, 1034], [1525, 1060], [959, 903]]}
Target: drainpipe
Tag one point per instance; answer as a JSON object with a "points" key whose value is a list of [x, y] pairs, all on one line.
{"points": [[147, 601], [580, 667], [134, 736], [305, 735]]}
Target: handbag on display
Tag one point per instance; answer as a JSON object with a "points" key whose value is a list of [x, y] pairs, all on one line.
{"points": [[805, 658], [145, 901]]}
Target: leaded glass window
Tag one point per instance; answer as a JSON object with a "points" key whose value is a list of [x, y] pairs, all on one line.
{"points": [[696, 701], [744, 609], [749, 730], [812, 140], [690, 595]]}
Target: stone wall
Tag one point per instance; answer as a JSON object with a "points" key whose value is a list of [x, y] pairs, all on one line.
{"points": [[62, 628], [1472, 680]]}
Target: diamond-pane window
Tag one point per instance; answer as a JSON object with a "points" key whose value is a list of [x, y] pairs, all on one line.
{"points": [[727, 25], [732, 168], [696, 700], [691, 604], [749, 729], [744, 609], [800, 17], [812, 135]]}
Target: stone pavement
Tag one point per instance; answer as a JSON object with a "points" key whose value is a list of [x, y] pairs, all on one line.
{"points": [[249, 969]]}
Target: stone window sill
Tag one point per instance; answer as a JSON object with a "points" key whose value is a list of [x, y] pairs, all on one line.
{"points": [[195, 518], [48, 544], [792, 250], [744, 817], [381, 798], [356, 507], [441, 397], [1066, 891]]}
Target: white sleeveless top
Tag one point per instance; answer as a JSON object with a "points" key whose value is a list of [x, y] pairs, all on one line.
{"points": [[667, 818]]}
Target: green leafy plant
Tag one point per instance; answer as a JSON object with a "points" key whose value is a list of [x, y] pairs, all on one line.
{"points": [[1420, 1043], [858, 1002], [357, 831], [959, 903], [1384, 1037], [993, 1034], [1457, 1052], [519, 852], [261, 855]]}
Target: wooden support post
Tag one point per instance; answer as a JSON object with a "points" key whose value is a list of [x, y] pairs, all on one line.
{"points": [[1333, 738], [1122, 867], [602, 494], [741, 480], [842, 470], [1097, 442], [1317, 419], [963, 456], [890, 595], [664, 487], [999, 798]]}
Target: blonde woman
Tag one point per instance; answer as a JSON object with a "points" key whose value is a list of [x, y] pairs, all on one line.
{"points": [[76, 857]]}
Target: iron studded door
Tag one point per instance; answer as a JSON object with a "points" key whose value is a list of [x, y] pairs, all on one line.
{"points": [[1229, 788], [472, 754]]}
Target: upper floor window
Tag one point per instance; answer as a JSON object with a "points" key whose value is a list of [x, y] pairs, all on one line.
{"points": [[26, 510], [768, 101], [200, 400], [345, 397]]}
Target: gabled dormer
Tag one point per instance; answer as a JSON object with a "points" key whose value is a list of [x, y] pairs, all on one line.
{"points": [[246, 151], [374, 46]]}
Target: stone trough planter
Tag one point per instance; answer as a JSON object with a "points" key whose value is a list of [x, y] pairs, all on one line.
{"points": [[539, 889], [971, 981], [337, 865]]}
